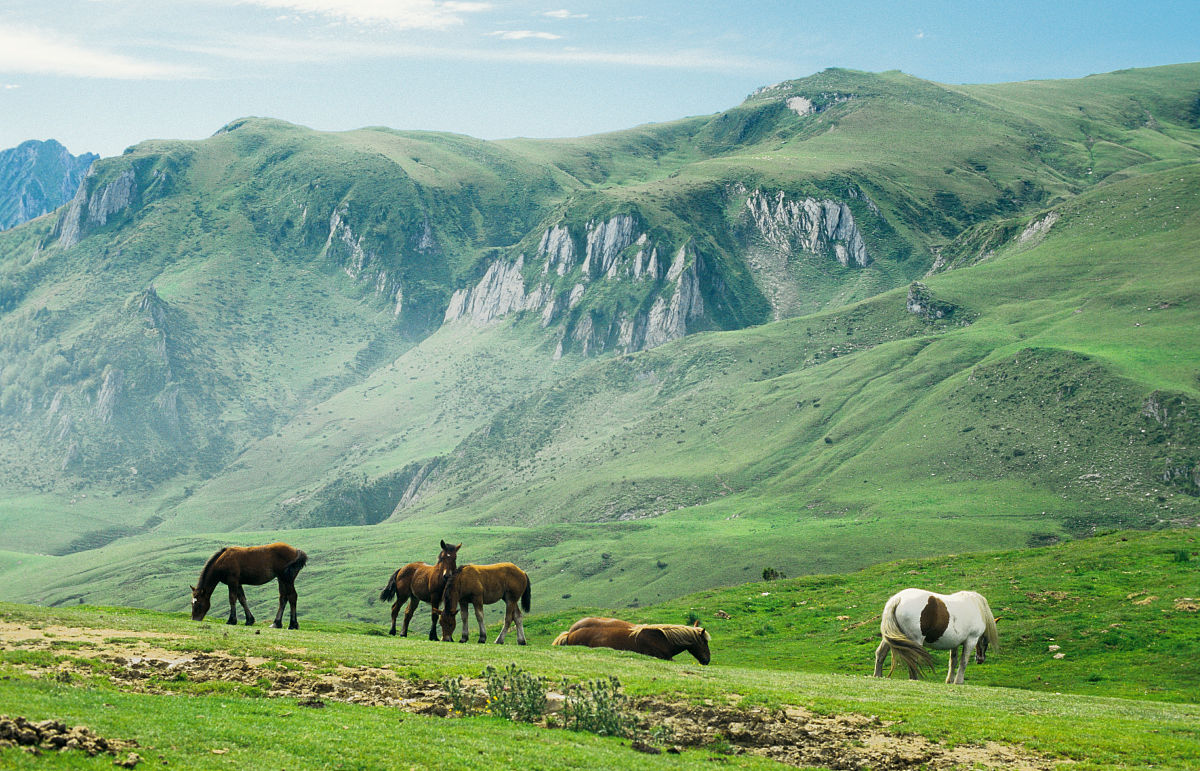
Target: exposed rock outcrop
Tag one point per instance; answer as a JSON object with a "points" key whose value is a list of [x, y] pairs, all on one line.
{"points": [[808, 225], [922, 302], [87, 212], [615, 249], [110, 393]]}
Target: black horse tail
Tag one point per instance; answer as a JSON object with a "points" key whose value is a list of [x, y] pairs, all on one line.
{"points": [[389, 591], [289, 572], [525, 596]]}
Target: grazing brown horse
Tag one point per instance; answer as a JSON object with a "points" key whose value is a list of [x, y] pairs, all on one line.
{"points": [[253, 566], [481, 585], [662, 641], [417, 582]]}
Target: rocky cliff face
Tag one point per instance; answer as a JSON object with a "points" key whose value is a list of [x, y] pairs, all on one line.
{"points": [[808, 225], [565, 270], [36, 178], [91, 210]]}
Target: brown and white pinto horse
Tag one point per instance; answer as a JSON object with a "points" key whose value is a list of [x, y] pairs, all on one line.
{"points": [[418, 582], [663, 641], [915, 619], [253, 566], [481, 585]]}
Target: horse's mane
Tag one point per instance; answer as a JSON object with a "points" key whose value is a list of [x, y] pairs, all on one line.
{"points": [[208, 566], [676, 634], [989, 620]]}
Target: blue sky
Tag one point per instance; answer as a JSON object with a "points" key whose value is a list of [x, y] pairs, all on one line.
{"points": [[99, 75]]}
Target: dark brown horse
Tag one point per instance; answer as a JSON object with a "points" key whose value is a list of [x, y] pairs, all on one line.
{"points": [[662, 641], [252, 566], [481, 585], [417, 583]]}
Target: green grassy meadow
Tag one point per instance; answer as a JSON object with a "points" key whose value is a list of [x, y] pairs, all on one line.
{"points": [[1123, 696]]}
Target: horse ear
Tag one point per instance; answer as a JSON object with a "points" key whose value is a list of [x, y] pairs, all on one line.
{"points": [[456, 548], [193, 590], [994, 620], [696, 622], [444, 546]]}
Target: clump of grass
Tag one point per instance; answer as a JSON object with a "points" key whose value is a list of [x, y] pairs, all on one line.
{"points": [[515, 694], [597, 706]]}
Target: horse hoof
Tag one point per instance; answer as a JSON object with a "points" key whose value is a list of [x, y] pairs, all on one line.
{"points": [[249, 622], [232, 622], [392, 633], [293, 626], [520, 642], [276, 626]]}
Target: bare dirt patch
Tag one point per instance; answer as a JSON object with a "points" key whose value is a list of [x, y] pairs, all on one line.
{"points": [[56, 736]]}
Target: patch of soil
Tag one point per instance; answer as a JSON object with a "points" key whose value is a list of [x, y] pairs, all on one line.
{"points": [[54, 735]]}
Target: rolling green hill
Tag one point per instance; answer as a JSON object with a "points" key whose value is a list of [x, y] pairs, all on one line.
{"points": [[858, 317]]}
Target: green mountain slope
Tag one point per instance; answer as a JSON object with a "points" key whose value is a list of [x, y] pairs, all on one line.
{"points": [[278, 328]]}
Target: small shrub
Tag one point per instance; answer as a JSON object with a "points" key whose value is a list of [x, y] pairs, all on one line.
{"points": [[692, 617], [597, 706], [460, 701], [771, 574], [1182, 555], [515, 694]]}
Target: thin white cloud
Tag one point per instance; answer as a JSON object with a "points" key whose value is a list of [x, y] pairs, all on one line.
{"points": [[399, 14], [563, 13], [524, 34], [282, 50], [920, 34], [38, 52], [10, 86]]}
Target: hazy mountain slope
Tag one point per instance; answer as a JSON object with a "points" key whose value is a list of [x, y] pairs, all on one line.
{"points": [[37, 177]]}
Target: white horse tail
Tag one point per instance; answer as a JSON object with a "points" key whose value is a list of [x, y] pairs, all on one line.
{"points": [[914, 656]]}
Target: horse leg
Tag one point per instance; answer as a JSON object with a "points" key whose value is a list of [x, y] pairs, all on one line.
{"points": [[953, 664], [479, 618], [292, 622], [283, 595], [232, 606], [413, 602], [508, 619], [245, 605], [395, 612], [968, 645], [519, 617], [434, 617], [880, 654], [463, 608]]}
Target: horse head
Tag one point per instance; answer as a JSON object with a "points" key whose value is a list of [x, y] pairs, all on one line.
{"points": [[200, 603], [447, 613], [981, 649], [448, 559], [699, 649]]}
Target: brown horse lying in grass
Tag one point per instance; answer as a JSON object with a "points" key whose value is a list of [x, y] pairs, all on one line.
{"points": [[418, 582], [662, 641], [252, 565], [482, 585]]}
